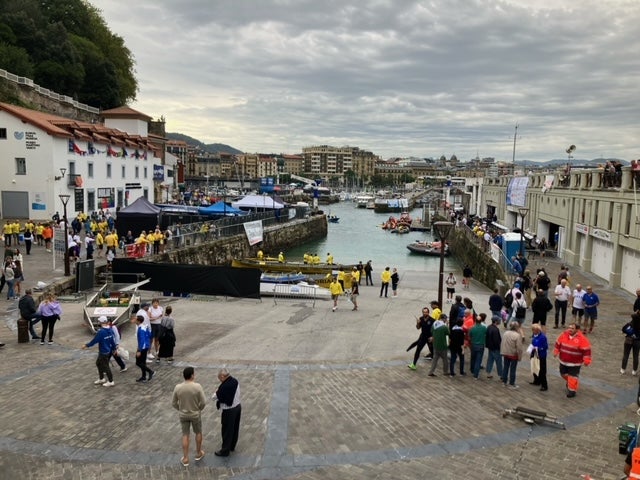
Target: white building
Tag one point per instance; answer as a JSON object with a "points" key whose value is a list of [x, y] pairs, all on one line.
{"points": [[99, 165]]}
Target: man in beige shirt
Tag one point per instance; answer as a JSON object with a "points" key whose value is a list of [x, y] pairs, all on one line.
{"points": [[188, 399]]}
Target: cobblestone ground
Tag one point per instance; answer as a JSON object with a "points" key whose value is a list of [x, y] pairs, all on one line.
{"points": [[325, 396]]}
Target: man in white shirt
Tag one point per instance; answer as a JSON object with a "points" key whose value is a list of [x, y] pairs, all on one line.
{"points": [[577, 309], [562, 294]]}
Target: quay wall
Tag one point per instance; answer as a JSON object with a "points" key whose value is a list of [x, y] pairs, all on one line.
{"points": [[485, 269], [221, 251]]}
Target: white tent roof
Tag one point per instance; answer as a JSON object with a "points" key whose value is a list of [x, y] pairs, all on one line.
{"points": [[257, 201]]}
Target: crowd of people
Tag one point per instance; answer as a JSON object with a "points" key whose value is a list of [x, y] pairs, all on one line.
{"points": [[466, 332]]}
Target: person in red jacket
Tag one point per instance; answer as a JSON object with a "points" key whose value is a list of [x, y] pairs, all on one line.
{"points": [[573, 349]]}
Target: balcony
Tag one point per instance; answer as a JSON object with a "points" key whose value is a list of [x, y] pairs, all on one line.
{"points": [[74, 180]]}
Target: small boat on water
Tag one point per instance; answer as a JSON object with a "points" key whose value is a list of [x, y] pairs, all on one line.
{"points": [[428, 248], [333, 219], [114, 301], [363, 200], [268, 265], [401, 229]]}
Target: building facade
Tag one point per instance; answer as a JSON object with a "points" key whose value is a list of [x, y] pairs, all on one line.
{"points": [[590, 219], [98, 165]]}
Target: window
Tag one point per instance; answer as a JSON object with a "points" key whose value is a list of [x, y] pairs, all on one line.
{"points": [[136, 172], [90, 170], [91, 200], [72, 168], [124, 171], [145, 172], [3, 133], [108, 170], [21, 166], [145, 193]]}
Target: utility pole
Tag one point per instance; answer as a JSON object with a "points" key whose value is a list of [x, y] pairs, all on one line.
{"points": [[515, 135]]}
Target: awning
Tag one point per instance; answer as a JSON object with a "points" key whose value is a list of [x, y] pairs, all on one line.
{"points": [[500, 227]]}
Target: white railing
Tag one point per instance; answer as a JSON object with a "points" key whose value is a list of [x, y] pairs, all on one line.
{"points": [[24, 81]]}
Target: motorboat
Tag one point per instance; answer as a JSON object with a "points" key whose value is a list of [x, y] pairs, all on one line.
{"points": [[428, 248], [333, 219]]}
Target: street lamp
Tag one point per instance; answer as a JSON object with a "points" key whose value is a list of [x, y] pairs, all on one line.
{"points": [[443, 229], [65, 199], [523, 213]]}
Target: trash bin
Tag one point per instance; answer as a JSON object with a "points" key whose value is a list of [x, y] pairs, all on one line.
{"points": [[23, 330]]}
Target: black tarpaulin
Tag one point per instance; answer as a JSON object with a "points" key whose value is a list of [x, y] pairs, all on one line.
{"points": [[197, 279]]}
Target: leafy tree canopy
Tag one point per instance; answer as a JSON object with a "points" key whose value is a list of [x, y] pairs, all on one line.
{"points": [[66, 46]]}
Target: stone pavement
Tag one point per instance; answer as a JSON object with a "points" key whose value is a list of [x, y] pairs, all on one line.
{"points": [[325, 396]]}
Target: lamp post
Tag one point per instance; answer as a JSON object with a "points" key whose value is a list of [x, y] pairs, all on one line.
{"points": [[523, 213], [443, 229], [65, 199]]}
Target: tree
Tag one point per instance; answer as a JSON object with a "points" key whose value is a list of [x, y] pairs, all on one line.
{"points": [[66, 46]]}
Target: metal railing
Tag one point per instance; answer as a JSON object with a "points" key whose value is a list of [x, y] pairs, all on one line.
{"points": [[199, 233]]}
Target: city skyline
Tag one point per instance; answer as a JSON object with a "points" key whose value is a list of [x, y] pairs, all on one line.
{"points": [[399, 79]]}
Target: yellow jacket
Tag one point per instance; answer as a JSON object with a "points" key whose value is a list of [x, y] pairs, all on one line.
{"points": [[336, 288], [385, 276]]}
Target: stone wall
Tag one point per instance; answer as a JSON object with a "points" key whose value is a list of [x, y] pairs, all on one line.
{"points": [[26, 96], [276, 239], [484, 268]]}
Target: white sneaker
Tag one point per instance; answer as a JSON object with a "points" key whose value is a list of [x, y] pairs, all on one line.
{"points": [[99, 381], [334, 308], [151, 356], [622, 371], [108, 384]]}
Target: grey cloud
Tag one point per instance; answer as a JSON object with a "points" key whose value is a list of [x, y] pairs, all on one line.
{"points": [[398, 78]]}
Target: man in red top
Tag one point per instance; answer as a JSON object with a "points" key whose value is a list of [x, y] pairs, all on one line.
{"points": [[573, 350]]}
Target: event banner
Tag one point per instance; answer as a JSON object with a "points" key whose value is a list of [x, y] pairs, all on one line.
{"points": [[254, 231], [516, 191]]}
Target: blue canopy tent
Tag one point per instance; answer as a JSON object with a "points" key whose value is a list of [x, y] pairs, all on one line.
{"points": [[220, 209]]}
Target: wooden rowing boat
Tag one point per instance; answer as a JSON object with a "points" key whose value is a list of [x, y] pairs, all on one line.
{"points": [[296, 267]]}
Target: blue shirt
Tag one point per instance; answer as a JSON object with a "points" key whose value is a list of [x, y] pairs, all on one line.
{"points": [[143, 334], [591, 302], [105, 341], [540, 342]]}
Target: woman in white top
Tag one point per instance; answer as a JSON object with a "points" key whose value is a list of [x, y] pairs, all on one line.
{"points": [[156, 312]]}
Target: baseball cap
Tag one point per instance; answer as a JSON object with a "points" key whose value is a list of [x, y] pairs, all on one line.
{"points": [[145, 304], [103, 319]]}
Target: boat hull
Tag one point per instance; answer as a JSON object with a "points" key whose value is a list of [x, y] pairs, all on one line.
{"points": [[426, 250], [287, 267]]}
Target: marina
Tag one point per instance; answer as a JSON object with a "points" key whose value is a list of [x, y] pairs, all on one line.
{"points": [[359, 237]]}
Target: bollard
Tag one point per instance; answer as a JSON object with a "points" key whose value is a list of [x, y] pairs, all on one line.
{"points": [[23, 330]]}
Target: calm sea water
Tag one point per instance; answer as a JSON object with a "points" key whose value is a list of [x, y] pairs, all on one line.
{"points": [[358, 237]]}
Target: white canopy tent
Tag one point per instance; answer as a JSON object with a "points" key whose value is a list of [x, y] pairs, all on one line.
{"points": [[251, 202]]}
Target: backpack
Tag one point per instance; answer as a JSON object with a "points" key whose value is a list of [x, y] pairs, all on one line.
{"points": [[508, 299]]}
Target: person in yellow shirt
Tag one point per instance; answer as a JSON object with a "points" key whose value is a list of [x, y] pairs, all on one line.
{"points": [[99, 243], [385, 277], [39, 230], [260, 255], [281, 257], [111, 241], [336, 292], [355, 274], [329, 259], [305, 258], [316, 259], [7, 230], [341, 277], [15, 230]]}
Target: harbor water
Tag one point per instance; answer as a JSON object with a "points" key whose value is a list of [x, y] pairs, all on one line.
{"points": [[358, 236]]}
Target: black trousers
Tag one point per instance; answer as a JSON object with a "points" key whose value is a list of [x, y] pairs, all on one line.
{"points": [[419, 344], [384, 288], [561, 307], [102, 362], [541, 377], [141, 363], [230, 420]]}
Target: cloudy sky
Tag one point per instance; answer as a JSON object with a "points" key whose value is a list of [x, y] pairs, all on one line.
{"points": [[397, 77]]}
